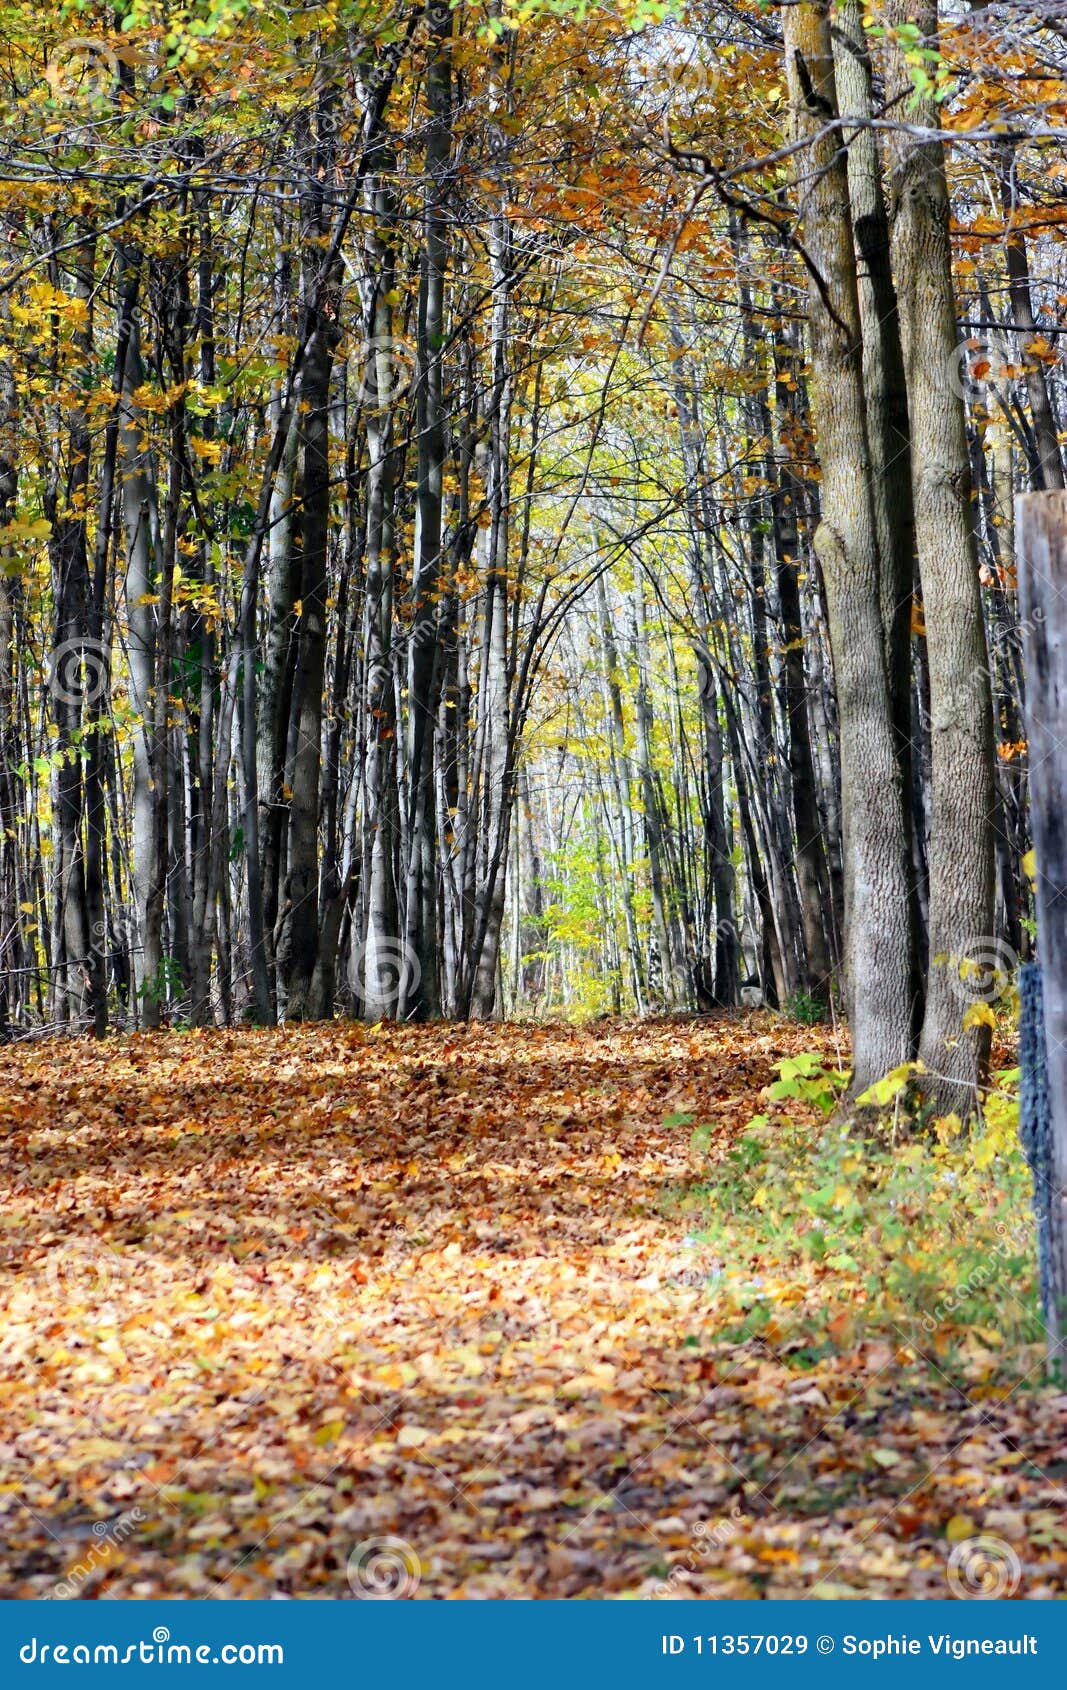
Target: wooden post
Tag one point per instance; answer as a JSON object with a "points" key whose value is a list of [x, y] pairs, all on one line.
{"points": [[1041, 535]]}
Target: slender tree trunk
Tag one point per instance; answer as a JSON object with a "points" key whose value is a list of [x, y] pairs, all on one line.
{"points": [[617, 768], [378, 965], [142, 530], [12, 796], [206, 817], [321, 306], [1046, 435], [654, 829], [424, 667], [813, 873]]}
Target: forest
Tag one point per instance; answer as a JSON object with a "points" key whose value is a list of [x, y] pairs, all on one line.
{"points": [[515, 796]]}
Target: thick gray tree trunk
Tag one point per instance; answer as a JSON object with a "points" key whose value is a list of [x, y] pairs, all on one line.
{"points": [[962, 795], [878, 962], [1042, 531]]}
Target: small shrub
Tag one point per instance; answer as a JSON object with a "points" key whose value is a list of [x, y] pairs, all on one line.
{"points": [[805, 1008]]}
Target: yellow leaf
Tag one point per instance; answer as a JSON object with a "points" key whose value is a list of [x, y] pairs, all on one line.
{"points": [[985, 1152], [978, 1015], [885, 1090], [959, 1528]]}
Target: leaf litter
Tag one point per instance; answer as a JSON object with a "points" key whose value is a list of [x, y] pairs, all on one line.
{"points": [[273, 1296]]}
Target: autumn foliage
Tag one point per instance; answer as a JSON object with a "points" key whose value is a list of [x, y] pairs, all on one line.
{"points": [[271, 1295]]}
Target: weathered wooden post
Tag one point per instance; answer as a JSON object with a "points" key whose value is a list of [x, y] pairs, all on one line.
{"points": [[1041, 536]]}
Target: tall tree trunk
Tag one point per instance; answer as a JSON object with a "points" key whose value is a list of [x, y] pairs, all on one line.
{"points": [[620, 781], [206, 817], [654, 820], [378, 965], [141, 523], [962, 796], [877, 950], [424, 667], [724, 985], [885, 389], [75, 673], [813, 873], [1046, 436], [497, 748], [12, 796], [321, 329]]}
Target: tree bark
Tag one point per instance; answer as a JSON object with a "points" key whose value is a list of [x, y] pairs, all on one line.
{"points": [[1042, 530], [321, 304], [962, 796], [878, 962]]}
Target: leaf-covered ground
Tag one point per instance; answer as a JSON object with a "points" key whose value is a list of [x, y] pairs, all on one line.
{"points": [[271, 1298]]}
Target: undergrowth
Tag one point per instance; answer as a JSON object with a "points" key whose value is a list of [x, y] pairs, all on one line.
{"points": [[822, 1235]]}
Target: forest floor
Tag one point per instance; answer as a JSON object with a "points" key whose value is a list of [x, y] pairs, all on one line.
{"points": [[332, 1310]]}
